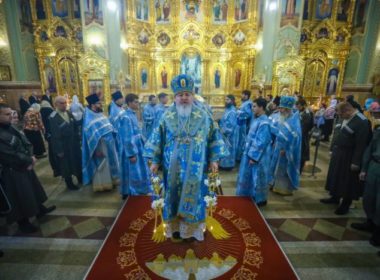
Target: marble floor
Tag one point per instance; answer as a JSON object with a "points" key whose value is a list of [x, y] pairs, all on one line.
{"points": [[319, 244]]}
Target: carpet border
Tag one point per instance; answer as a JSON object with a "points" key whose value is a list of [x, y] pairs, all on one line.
{"points": [[105, 239], [274, 237]]}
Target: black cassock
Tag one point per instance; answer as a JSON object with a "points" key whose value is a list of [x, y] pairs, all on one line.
{"points": [[65, 140], [21, 186], [347, 147]]}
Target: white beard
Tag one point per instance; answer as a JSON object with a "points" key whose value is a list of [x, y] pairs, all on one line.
{"points": [[184, 110]]}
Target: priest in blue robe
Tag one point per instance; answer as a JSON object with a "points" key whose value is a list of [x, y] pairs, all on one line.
{"points": [[230, 131], [115, 111], [286, 158], [187, 143], [135, 174], [148, 116], [100, 165], [160, 108], [244, 121], [253, 178]]}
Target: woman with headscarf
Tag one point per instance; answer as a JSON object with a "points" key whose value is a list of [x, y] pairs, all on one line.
{"points": [[329, 116], [76, 108], [33, 127]]}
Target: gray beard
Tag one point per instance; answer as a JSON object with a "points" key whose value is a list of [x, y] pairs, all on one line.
{"points": [[184, 110]]}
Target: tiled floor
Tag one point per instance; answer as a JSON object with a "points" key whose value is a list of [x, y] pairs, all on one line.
{"points": [[319, 244]]}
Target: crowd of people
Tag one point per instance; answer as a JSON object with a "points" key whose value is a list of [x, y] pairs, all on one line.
{"points": [[268, 139]]}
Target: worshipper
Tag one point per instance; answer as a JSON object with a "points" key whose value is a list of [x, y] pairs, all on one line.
{"points": [[76, 108], [329, 117], [253, 178], [33, 127], [115, 112], [65, 142], [230, 131], [286, 157], [24, 104], [347, 148], [46, 110], [15, 120], [370, 173], [148, 117], [100, 165], [307, 123], [135, 175], [185, 143], [20, 183], [272, 106], [350, 99], [269, 98], [47, 97], [244, 119], [160, 108], [34, 98]]}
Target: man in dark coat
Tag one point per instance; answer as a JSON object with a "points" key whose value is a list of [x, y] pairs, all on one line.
{"points": [[47, 96], [24, 104], [20, 183], [33, 98], [347, 149], [65, 142], [307, 123]]}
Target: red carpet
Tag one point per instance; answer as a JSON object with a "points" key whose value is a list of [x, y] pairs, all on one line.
{"points": [[253, 253]]}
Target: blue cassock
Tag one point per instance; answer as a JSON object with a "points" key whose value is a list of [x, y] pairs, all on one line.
{"points": [[159, 111], [148, 120], [184, 146], [230, 131], [285, 169], [244, 115], [114, 117], [253, 180], [135, 177], [96, 127]]}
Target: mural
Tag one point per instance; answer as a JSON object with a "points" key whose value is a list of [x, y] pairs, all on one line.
{"points": [[290, 12], [241, 10], [191, 10], [142, 9], [360, 16], [219, 11], [192, 65], [323, 9], [332, 81], [343, 7], [162, 9], [60, 8], [93, 12]]}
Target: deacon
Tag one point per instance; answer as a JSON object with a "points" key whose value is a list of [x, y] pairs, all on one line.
{"points": [[19, 181], [286, 157], [148, 117], [65, 142], [135, 175], [100, 165], [253, 178], [230, 131], [244, 120], [186, 143], [160, 108], [115, 111], [347, 148]]}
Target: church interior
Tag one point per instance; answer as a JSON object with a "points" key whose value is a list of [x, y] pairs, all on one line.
{"points": [[320, 49]]}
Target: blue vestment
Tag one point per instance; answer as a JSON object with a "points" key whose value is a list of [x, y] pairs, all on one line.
{"points": [[148, 120], [184, 146], [253, 179], [285, 169], [230, 131], [244, 120], [96, 127], [114, 117], [159, 111], [135, 177]]}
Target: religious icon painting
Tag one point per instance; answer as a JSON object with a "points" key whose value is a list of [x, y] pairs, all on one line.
{"points": [[60, 8], [237, 78], [93, 12], [239, 38], [305, 15], [323, 9], [343, 7], [50, 80], [164, 77], [332, 81], [76, 8], [217, 78], [219, 11], [241, 10], [191, 9], [96, 87], [60, 32], [303, 37], [340, 38], [163, 39], [323, 33], [44, 36], [79, 35], [25, 16], [142, 9], [218, 40], [143, 37], [360, 16], [290, 12], [144, 78], [162, 11], [40, 9], [5, 73], [191, 64]]}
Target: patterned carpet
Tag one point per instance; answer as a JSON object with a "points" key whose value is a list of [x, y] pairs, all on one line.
{"points": [[319, 244]]}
